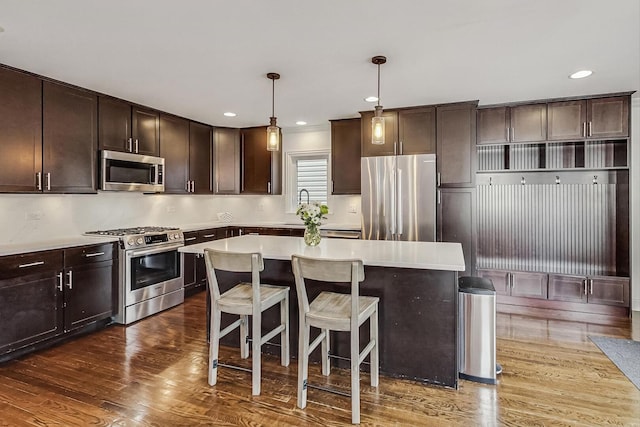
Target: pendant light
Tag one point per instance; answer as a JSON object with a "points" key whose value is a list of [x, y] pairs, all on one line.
{"points": [[273, 131], [377, 122]]}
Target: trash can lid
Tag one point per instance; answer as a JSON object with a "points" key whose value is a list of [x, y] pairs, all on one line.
{"points": [[476, 285]]}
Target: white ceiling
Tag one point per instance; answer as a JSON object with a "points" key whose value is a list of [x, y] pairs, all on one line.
{"points": [[200, 58]]}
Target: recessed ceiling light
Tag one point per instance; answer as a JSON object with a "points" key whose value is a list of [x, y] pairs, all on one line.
{"points": [[371, 99], [1, 29], [230, 114], [301, 123], [581, 74]]}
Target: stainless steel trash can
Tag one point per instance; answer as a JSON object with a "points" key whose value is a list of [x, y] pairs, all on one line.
{"points": [[477, 335]]}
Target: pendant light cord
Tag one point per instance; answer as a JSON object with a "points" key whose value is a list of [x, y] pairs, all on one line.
{"points": [[378, 85], [273, 97]]}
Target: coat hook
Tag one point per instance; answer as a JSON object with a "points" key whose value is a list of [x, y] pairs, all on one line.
{"points": [[595, 179], [490, 180], [557, 179], [523, 181]]}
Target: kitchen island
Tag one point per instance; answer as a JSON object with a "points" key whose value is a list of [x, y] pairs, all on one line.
{"points": [[415, 281]]}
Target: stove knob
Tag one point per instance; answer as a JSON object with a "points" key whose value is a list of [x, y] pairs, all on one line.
{"points": [[130, 242], [139, 241], [176, 236]]}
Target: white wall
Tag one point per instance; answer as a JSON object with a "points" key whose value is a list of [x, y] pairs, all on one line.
{"points": [[634, 182], [29, 218]]}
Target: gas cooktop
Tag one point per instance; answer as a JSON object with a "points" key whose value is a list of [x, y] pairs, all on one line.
{"points": [[132, 231]]}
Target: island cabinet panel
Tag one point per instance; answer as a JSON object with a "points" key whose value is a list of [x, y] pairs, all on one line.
{"points": [[200, 158], [70, 140], [456, 136], [260, 168], [174, 148], [30, 299], [226, 158], [194, 268], [417, 319], [345, 156], [20, 131], [89, 285]]}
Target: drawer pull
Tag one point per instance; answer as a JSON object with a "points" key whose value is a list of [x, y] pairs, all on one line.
{"points": [[60, 281], [188, 239], [94, 254], [31, 264], [208, 236]]}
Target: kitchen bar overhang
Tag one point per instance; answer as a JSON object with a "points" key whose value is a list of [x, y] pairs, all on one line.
{"points": [[417, 283]]}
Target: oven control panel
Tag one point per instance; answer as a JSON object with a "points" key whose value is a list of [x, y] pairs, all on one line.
{"points": [[152, 240]]}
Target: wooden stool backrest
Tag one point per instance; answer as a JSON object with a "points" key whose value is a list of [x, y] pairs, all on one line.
{"points": [[236, 262]]}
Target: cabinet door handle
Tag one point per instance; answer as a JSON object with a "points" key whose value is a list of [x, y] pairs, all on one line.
{"points": [[48, 181], [188, 239], [438, 179], [590, 286], [584, 286], [193, 186], [508, 132], [513, 134], [31, 264], [208, 236], [401, 148], [130, 145], [439, 198], [511, 281], [217, 187], [269, 187], [590, 133], [70, 282], [136, 142], [39, 181], [94, 254], [395, 148], [60, 281], [584, 129]]}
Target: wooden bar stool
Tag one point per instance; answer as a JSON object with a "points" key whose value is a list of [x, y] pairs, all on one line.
{"points": [[333, 312], [245, 299]]}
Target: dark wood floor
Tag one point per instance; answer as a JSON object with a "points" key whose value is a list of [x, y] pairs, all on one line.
{"points": [[153, 373]]}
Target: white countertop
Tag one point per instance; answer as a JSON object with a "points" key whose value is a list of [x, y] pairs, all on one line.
{"points": [[384, 253], [61, 243], [293, 224]]}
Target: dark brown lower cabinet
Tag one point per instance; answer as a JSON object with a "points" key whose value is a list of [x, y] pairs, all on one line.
{"points": [[518, 283], [45, 295], [589, 289], [456, 222], [194, 269]]}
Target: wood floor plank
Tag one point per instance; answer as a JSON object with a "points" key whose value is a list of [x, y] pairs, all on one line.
{"points": [[153, 373]]}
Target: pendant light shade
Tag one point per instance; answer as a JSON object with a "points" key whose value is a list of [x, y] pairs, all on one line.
{"points": [[377, 122], [273, 131]]}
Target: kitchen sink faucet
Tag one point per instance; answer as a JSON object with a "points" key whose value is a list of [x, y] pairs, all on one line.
{"points": [[300, 196]]}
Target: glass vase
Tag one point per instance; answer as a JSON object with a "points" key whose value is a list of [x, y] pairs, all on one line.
{"points": [[312, 236]]}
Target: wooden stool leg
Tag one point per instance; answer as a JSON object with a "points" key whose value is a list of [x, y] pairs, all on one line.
{"points": [[303, 363], [375, 362], [256, 333], [244, 335], [214, 345], [355, 377], [326, 348], [284, 335]]}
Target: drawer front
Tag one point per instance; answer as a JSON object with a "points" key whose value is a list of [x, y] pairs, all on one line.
{"points": [[30, 263], [191, 238], [609, 291], [88, 254], [209, 234]]}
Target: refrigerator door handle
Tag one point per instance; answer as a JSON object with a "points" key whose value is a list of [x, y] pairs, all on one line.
{"points": [[393, 203], [399, 202]]}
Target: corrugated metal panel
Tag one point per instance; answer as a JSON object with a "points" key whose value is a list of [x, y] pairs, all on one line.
{"points": [[567, 228]]}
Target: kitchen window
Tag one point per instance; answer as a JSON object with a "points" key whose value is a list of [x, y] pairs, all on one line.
{"points": [[308, 171]]}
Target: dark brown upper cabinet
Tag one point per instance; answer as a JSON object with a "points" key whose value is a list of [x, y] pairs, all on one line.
{"points": [[407, 131], [128, 128], [345, 156], [596, 118], [456, 157], [226, 157], [174, 148], [521, 123], [20, 131], [260, 169], [69, 139], [200, 158]]}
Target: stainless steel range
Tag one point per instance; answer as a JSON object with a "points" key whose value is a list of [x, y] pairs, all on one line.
{"points": [[150, 278]]}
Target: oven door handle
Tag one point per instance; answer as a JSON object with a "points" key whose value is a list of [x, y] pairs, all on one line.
{"points": [[136, 253]]}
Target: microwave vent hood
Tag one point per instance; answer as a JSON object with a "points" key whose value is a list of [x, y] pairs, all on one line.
{"points": [[131, 172]]}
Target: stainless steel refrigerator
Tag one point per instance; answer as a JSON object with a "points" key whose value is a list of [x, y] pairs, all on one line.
{"points": [[399, 197]]}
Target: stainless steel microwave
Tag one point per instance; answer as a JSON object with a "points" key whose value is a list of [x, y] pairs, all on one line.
{"points": [[131, 172]]}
